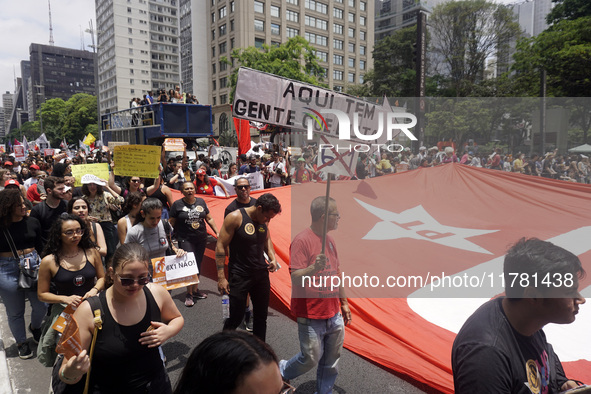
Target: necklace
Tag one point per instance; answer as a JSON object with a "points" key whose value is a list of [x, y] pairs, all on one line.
{"points": [[71, 257]]}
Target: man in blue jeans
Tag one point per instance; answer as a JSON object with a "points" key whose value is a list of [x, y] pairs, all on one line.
{"points": [[321, 326]]}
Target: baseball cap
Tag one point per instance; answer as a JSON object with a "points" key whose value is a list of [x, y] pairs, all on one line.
{"points": [[34, 167], [7, 163], [11, 182], [201, 171]]}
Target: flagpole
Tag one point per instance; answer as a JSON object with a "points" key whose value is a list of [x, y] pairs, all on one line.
{"points": [[325, 226]]}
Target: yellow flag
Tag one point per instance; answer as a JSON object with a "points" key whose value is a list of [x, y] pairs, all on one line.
{"points": [[89, 139]]}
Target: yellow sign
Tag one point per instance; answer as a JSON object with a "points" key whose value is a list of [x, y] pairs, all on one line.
{"points": [[137, 160], [89, 140], [174, 145], [101, 170], [113, 144]]}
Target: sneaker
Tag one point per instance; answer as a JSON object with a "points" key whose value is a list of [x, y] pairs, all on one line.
{"points": [[248, 324], [199, 295], [36, 333], [189, 300], [24, 351]]}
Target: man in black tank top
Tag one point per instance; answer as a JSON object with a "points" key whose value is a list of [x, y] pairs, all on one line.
{"points": [[246, 236]]}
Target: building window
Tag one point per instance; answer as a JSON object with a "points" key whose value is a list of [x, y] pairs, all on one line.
{"points": [[362, 5], [337, 13], [214, 103], [362, 49], [130, 41], [275, 11], [129, 30], [351, 47], [129, 20], [351, 77], [362, 35], [259, 25], [337, 74], [337, 44], [316, 6], [223, 30], [232, 43], [131, 81], [223, 99], [337, 29], [213, 17], [223, 82], [362, 20], [351, 62], [231, 6], [223, 47], [291, 32], [337, 59], [222, 12], [213, 86], [351, 32], [129, 10], [212, 51], [316, 22], [361, 78], [322, 56], [362, 64], [275, 29], [351, 17], [293, 2], [351, 3], [259, 7], [316, 39], [258, 42], [213, 68], [292, 16], [213, 34]]}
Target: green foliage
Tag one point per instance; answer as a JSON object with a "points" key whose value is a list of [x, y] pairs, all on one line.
{"points": [[564, 51], [568, 10], [467, 33], [294, 59]]}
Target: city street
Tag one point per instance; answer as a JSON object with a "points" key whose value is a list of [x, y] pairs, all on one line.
{"points": [[356, 374]]}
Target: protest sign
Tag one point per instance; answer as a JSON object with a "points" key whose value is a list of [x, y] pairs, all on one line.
{"points": [[255, 178], [101, 170], [19, 152], [174, 145], [69, 344], [48, 152], [113, 144], [137, 160], [173, 272]]}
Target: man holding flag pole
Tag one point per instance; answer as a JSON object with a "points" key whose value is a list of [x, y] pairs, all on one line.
{"points": [[321, 313]]}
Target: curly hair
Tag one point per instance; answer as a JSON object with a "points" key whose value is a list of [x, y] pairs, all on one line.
{"points": [[54, 242], [9, 199], [133, 198]]}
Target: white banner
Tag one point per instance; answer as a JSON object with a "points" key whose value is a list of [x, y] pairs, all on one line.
{"points": [[180, 267], [256, 183]]}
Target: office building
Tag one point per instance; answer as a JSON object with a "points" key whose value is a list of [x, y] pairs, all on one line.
{"points": [[58, 72], [138, 49], [7, 104], [393, 15]]}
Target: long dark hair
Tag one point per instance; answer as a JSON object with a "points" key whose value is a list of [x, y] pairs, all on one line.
{"points": [[219, 363], [205, 181], [132, 199], [9, 199], [73, 201], [54, 241], [86, 192]]}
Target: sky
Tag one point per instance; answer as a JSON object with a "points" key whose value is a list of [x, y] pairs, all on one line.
{"points": [[27, 22]]}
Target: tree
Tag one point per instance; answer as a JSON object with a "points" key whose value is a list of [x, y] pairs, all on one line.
{"points": [[294, 59], [568, 10], [465, 34]]}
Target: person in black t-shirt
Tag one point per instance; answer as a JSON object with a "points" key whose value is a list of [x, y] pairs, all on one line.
{"points": [[245, 234], [243, 198], [53, 206], [502, 348]]}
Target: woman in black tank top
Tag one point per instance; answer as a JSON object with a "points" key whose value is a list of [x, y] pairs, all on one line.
{"points": [[138, 317]]}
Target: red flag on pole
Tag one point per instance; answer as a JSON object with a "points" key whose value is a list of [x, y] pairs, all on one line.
{"points": [[243, 131]]}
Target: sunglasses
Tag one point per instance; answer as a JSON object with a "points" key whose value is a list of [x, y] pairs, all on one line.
{"points": [[129, 281], [135, 180], [78, 231], [242, 187]]}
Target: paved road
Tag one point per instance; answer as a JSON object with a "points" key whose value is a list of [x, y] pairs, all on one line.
{"points": [[356, 374]]}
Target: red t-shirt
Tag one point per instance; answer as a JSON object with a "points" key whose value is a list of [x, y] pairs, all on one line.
{"points": [[206, 189], [33, 193], [315, 301]]}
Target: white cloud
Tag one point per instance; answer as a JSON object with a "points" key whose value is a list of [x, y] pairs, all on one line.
{"points": [[27, 21]]}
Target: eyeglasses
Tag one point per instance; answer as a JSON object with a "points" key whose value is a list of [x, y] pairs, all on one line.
{"points": [[129, 281], [71, 233], [287, 389], [135, 180], [243, 187], [41, 176]]}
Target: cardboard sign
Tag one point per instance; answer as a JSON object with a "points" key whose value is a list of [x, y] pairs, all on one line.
{"points": [[255, 178], [173, 272], [64, 318], [174, 145], [19, 152], [100, 170], [48, 152], [137, 160], [2, 148], [69, 344]]}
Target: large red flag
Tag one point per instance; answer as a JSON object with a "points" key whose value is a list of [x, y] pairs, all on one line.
{"points": [[413, 227], [242, 127]]}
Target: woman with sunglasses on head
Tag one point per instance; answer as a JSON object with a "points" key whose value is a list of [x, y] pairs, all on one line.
{"points": [[188, 216], [73, 264], [25, 233], [206, 185], [79, 207], [138, 317]]}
